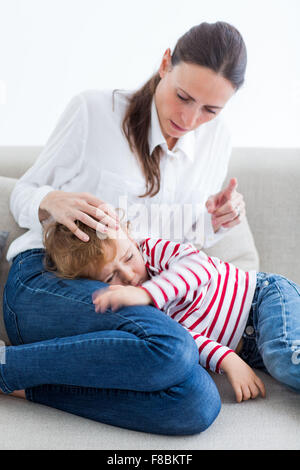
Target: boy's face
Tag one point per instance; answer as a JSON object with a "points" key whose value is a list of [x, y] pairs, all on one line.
{"points": [[127, 267]]}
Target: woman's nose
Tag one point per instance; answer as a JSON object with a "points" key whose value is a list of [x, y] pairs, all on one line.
{"points": [[191, 118]]}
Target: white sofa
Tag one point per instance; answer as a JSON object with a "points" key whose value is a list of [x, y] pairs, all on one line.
{"points": [[269, 180]]}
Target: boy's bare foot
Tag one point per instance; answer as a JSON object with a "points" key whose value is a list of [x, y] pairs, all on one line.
{"points": [[17, 393]]}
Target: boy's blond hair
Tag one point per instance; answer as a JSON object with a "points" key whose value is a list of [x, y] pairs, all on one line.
{"points": [[68, 256]]}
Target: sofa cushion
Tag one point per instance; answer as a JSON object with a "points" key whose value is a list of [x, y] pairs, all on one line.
{"points": [[3, 239], [237, 247], [7, 223]]}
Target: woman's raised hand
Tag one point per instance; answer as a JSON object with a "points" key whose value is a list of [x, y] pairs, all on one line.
{"points": [[226, 207], [66, 207]]}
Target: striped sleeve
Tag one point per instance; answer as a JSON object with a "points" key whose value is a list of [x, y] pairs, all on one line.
{"points": [[179, 268], [211, 353]]}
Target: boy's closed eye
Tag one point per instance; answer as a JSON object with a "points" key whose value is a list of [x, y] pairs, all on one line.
{"points": [[113, 276]]}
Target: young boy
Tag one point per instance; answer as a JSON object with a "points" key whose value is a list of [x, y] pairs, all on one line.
{"points": [[215, 301]]}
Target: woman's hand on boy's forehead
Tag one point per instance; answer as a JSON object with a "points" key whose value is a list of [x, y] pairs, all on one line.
{"points": [[116, 296], [68, 207]]}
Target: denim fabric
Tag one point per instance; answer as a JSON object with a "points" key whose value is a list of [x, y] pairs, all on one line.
{"points": [[135, 368], [272, 335]]}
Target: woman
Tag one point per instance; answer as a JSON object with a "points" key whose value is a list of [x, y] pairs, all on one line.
{"points": [[135, 368]]}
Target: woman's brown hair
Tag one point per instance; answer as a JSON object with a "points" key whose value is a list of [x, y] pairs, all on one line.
{"points": [[218, 46]]}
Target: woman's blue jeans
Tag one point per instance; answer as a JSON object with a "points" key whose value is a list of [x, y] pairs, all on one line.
{"points": [[135, 368]]}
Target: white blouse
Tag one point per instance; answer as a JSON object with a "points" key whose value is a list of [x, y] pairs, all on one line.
{"points": [[88, 152]]}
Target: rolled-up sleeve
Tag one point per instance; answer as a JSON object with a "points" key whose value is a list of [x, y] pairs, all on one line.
{"points": [[59, 162]]}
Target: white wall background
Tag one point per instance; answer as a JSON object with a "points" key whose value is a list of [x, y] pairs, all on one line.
{"points": [[53, 49]]}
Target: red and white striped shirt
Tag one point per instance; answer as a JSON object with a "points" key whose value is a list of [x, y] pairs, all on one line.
{"points": [[208, 297]]}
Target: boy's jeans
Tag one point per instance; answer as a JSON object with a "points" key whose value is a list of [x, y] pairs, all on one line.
{"points": [[135, 368], [272, 334]]}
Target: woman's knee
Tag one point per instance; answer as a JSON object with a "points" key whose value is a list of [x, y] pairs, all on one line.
{"points": [[172, 349], [194, 404]]}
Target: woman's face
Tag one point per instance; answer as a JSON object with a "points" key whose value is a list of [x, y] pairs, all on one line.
{"points": [[187, 96]]}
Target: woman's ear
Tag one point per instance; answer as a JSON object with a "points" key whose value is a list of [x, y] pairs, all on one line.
{"points": [[165, 65]]}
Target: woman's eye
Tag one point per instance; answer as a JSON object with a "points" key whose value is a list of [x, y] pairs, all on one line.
{"points": [[182, 98], [210, 110], [186, 99]]}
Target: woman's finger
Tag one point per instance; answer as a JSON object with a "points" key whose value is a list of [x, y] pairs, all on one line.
{"points": [[100, 209], [235, 221], [75, 230], [229, 206], [102, 205], [103, 214], [106, 220], [90, 222], [227, 218]]}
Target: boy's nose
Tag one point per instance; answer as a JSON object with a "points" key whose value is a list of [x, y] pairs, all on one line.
{"points": [[127, 275]]}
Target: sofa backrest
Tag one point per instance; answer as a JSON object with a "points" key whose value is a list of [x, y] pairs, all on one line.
{"points": [[269, 180]]}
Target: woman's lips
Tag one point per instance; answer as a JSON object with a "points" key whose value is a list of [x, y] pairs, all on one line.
{"points": [[177, 127]]}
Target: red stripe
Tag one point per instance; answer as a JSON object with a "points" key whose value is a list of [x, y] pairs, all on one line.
{"points": [[186, 284], [189, 312], [207, 272], [163, 253], [196, 337], [174, 251], [210, 304], [202, 266], [211, 261], [221, 359], [183, 308], [153, 253], [162, 291], [221, 301], [182, 300], [204, 344], [241, 309], [230, 307], [174, 287], [212, 352], [191, 271], [147, 247], [174, 314], [153, 299]]}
